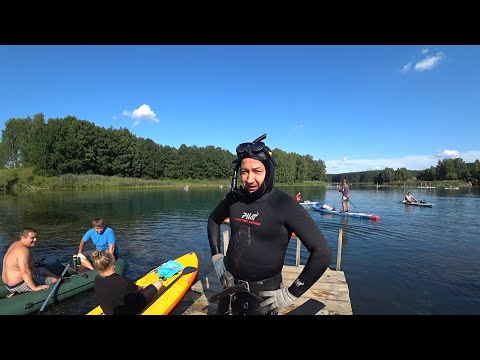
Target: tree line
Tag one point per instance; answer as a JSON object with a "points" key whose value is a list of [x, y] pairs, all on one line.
{"points": [[447, 169], [72, 146]]}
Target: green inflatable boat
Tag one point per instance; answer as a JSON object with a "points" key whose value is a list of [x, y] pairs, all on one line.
{"points": [[73, 283]]}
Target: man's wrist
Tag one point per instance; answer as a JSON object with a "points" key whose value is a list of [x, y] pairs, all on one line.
{"points": [[294, 291]]}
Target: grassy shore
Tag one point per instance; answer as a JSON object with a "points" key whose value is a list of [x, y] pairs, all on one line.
{"points": [[24, 179]]}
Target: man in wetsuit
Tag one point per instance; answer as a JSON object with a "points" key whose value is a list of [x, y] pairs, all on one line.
{"points": [[262, 219]]}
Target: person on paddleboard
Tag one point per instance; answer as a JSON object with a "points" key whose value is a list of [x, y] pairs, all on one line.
{"points": [[344, 189], [262, 219], [410, 198]]}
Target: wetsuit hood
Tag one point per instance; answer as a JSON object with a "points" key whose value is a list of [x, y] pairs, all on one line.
{"points": [[265, 156], [267, 184]]}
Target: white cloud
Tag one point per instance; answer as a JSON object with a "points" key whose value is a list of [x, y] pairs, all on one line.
{"points": [[413, 162], [468, 156], [354, 165], [299, 126], [429, 62], [143, 113], [471, 156], [407, 67], [448, 154]]}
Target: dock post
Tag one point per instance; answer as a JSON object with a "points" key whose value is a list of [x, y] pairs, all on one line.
{"points": [[339, 250]]}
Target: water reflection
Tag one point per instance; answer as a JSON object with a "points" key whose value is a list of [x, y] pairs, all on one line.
{"points": [[397, 265], [345, 227]]}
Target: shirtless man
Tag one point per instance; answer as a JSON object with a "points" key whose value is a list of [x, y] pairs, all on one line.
{"points": [[19, 273]]}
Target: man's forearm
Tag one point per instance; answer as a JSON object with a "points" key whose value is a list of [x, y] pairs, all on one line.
{"points": [[81, 246]]}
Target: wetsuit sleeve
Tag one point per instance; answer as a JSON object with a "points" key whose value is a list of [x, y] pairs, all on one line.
{"points": [[299, 221], [215, 219], [213, 230]]}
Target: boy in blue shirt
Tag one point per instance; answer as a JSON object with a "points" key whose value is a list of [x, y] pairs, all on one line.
{"points": [[104, 239]]}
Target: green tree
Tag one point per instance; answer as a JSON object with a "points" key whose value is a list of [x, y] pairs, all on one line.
{"points": [[14, 139], [286, 167], [123, 152], [169, 156], [318, 170]]}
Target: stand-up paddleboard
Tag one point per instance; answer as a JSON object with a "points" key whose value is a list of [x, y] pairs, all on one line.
{"points": [[173, 288], [350, 214], [308, 204], [419, 203]]}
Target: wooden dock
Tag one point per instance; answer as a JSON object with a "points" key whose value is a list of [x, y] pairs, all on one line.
{"points": [[328, 296]]}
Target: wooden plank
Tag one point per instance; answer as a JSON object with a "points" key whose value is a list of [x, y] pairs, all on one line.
{"points": [[210, 281], [328, 296], [328, 276]]}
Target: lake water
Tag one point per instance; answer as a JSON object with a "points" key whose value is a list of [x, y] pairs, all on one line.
{"points": [[414, 260]]}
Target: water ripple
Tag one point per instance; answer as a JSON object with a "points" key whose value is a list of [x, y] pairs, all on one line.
{"points": [[413, 261]]}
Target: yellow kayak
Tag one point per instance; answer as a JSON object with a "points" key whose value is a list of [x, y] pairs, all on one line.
{"points": [[173, 288]]}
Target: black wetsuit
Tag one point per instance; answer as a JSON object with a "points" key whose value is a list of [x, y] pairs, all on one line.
{"points": [[118, 295], [260, 232]]}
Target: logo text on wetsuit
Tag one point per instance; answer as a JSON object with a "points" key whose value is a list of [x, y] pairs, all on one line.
{"points": [[298, 283], [249, 216]]}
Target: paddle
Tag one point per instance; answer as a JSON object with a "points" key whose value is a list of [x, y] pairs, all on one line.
{"points": [[352, 204], [57, 284]]}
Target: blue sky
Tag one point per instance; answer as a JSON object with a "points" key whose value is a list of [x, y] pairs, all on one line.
{"points": [[356, 107]]}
